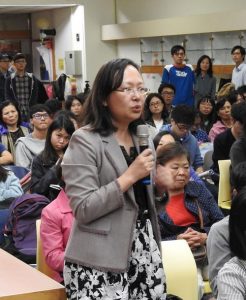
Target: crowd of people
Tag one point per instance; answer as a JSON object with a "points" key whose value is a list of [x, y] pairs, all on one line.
{"points": [[101, 232]]}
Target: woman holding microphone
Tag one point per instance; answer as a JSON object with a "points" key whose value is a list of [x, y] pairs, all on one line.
{"points": [[113, 251]]}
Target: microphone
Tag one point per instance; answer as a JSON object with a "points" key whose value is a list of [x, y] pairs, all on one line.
{"points": [[143, 141]]}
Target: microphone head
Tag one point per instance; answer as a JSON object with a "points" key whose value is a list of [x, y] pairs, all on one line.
{"points": [[143, 131]]}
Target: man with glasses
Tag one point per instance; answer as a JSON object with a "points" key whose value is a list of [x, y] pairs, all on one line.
{"points": [[182, 118], [239, 71], [181, 76], [30, 146], [4, 73], [24, 87], [167, 92]]}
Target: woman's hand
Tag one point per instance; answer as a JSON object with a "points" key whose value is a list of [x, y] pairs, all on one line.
{"points": [[139, 168], [194, 238]]}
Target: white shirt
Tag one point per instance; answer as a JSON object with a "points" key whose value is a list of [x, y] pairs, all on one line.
{"points": [[239, 75]]}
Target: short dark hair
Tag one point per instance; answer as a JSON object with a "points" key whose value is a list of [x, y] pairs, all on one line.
{"points": [[241, 90], [198, 65], [108, 79], [166, 85], [219, 104], [19, 56], [148, 113], [237, 225], [160, 134], [70, 98], [37, 108], [238, 111], [169, 152], [176, 49], [7, 103], [184, 114], [240, 48], [54, 105], [238, 176]]}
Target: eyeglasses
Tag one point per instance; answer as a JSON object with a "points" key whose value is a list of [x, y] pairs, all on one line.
{"points": [[20, 61], [167, 93], [152, 104], [183, 126], [6, 61], [129, 91], [206, 104], [179, 54], [38, 116]]}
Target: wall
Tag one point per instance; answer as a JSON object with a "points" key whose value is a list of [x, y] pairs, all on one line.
{"points": [[98, 13], [95, 52], [142, 10]]}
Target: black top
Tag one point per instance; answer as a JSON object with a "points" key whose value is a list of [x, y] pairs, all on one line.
{"points": [[138, 187], [222, 147], [15, 135], [238, 152]]}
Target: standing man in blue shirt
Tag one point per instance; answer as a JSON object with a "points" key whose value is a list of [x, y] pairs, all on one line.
{"points": [[181, 76], [239, 71]]}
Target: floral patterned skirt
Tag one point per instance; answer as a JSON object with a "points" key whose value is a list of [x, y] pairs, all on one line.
{"points": [[144, 280]]}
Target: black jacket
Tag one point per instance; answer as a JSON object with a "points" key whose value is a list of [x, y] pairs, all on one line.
{"points": [[222, 147], [44, 174], [36, 88]]}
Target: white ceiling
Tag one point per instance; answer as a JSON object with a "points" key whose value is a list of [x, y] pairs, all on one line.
{"points": [[29, 9]]}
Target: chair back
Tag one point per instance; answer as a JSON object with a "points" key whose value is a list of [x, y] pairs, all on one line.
{"points": [[180, 269], [224, 195], [208, 161], [41, 263], [19, 171]]}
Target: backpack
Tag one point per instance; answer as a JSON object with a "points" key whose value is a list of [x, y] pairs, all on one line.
{"points": [[20, 229]]}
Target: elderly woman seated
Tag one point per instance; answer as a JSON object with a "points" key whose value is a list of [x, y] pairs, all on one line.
{"points": [[183, 200]]}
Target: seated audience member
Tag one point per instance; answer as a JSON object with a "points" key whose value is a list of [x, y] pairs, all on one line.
{"points": [[167, 91], [224, 121], [199, 133], [182, 119], [56, 223], [155, 112], [71, 116], [218, 249], [9, 189], [11, 126], [164, 138], [224, 141], [206, 109], [6, 157], [238, 149], [46, 167], [225, 90], [182, 200], [54, 106], [30, 146], [75, 105], [241, 93], [231, 280]]}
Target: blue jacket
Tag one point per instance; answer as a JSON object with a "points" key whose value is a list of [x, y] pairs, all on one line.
{"points": [[209, 208], [183, 79], [191, 145], [4, 129], [10, 188]]}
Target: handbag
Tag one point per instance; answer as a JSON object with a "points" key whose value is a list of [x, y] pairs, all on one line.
{"points": [[200, 253]]}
